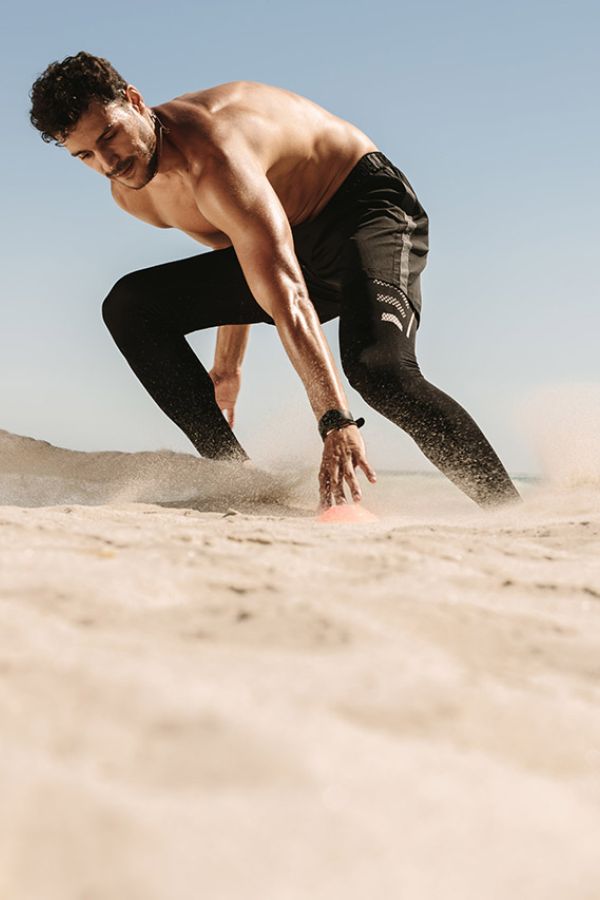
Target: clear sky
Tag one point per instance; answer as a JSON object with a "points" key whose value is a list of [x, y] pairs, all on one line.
{"points": [[491, 110]]}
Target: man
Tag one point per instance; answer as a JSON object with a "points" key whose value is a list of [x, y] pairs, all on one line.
{"points": [[308, 220]]}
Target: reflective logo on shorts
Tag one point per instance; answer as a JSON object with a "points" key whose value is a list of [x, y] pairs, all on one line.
{"points": [[394, 296], [390, 317], [386, 298]]}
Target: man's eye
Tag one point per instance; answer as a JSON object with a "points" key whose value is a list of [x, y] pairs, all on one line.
{"points": [[83, 155]]}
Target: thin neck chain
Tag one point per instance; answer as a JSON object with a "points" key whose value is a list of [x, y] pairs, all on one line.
{"points": [[159, 130]]}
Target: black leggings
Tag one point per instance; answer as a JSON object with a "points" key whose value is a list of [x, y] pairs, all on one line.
{"points": [[361, 257]]}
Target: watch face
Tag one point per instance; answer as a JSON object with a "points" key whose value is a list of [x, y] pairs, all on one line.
{"points": [[333, 419]]}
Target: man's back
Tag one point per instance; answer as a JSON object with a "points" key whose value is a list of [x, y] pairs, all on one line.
{"points": [[304, 150]]}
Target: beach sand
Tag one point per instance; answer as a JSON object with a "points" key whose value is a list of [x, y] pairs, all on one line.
{"points": [[196, 703]]}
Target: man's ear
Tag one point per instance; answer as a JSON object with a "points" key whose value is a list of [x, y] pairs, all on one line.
{"points": [[135, 98]]}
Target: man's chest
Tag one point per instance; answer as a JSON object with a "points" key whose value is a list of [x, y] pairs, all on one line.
{"points": [[173, 205]]}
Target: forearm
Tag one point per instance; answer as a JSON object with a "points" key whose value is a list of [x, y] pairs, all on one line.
{"points": [[230, 348], [302, 336]]}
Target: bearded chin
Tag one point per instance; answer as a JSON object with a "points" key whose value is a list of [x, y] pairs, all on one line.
{"points": [[150, 166], [153, 155], [149, 173]]}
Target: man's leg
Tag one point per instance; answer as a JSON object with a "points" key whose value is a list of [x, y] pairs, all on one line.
{"points": [[148, 313], [371, 240], [377, 339]]}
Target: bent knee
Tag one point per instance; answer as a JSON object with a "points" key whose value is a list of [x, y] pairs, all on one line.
{"points": [[373, 378], [122, 305]]}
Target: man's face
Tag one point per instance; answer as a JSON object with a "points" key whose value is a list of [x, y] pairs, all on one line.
{"points": [[116, 139]]}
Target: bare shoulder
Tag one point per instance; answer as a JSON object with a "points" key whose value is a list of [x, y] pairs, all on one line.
{"points": [[195, 124], [201, 110], [239, 105], [219, 97]]}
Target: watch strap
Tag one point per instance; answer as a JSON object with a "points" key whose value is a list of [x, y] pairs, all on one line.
{"points": [[334, 419]]}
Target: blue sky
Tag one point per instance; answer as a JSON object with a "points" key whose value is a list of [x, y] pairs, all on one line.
{"points": [[491, 111]]}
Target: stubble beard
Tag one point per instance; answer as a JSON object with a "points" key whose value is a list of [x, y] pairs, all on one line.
{"points": [[149, 161], [150, 168]]}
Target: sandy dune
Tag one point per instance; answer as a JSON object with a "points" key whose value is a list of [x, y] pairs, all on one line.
{"points": [[199, 705]]}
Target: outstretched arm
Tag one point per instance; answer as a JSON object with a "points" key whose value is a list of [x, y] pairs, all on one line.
{"points": [[234, 194], [226, 372]]}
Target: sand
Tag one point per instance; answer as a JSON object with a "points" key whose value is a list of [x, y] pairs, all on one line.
{"points": [[203, 704]]}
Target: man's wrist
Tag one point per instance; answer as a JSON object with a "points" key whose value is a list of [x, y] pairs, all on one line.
{"points": [[334, 419], [226, 371]]}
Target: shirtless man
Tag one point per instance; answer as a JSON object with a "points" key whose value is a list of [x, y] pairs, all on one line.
{"points": [[308, 220]]}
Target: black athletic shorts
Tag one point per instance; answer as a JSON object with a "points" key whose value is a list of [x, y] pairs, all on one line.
{"points": [[373, 227]]}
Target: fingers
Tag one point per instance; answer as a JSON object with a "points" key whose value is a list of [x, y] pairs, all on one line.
{"points": [[338, 485], [325, 499], [340, 458], [229, 413], [352, 481], [331, 484], [332, 475], [362, 463]]}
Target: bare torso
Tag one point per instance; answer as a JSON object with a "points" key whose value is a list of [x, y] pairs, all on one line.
{"points": [[305, 152]]}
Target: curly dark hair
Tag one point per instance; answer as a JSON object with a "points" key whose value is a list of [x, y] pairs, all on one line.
{"points": [[65, 90]]}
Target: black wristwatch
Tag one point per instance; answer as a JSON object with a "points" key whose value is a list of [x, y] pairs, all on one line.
{"points": [[337, 418]]}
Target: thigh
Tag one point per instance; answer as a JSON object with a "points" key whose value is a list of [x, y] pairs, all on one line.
{"points": [[378, 326], [371, 243], [381, 295], [210, 289], [198, 292], [325, 297], [389, 238]]}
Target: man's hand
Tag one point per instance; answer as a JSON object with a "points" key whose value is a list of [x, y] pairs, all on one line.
{"points": [[343, 451], [226, 372], [227, 388]]}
